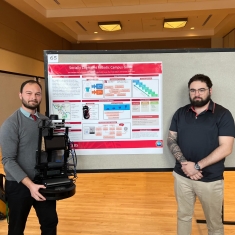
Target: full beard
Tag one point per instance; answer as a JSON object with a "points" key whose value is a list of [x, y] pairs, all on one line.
{"points": [[31, 105], [201, 102]]}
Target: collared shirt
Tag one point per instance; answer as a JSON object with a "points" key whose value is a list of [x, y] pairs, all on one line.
{"points": [[197, 136], [211, 108], [27, 114]]}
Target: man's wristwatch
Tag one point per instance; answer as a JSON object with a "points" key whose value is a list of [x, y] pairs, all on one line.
{"points": [[197, 167]]}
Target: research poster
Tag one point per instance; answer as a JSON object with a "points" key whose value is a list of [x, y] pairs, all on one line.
{"points": [[111, 108]]}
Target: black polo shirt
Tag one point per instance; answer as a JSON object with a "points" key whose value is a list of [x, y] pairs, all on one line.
{"points": [[197, 136]]}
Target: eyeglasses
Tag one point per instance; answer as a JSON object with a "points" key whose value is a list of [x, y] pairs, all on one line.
{"points": [[200, 91]]}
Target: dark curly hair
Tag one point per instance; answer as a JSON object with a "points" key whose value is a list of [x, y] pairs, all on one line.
{"points": [[202, 78]]}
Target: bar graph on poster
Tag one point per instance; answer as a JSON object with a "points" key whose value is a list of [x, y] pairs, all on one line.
{"points": [[110, 107]]}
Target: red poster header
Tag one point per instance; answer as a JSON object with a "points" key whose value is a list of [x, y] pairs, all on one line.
{"points": [[111, 69]]}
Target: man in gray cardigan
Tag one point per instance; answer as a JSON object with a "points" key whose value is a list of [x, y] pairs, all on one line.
{"points": [[19, 142]]}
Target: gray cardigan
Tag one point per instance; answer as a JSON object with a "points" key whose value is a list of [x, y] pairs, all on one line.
{"points": [[19, 142]]}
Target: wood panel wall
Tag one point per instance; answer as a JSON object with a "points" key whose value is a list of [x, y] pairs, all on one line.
{"points": [[229, 40], [22, 35]]}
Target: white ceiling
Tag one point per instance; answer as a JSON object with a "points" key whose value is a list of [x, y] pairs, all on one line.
{"points": [[77, 20]]}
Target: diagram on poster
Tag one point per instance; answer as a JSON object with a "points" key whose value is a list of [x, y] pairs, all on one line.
{"points": [[145, 88], [109, 106], [63, 110]]}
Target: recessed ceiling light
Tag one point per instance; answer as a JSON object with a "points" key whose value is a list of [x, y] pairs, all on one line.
{"points": [[192, 28], [175, 23], [110, 26], [95, 32]]}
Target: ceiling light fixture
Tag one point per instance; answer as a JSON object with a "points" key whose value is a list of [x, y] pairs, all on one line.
{"points": [[110, 26], [175, 23]]}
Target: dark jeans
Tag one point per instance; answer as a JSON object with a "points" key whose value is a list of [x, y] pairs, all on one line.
{"points": [[20, 203]]}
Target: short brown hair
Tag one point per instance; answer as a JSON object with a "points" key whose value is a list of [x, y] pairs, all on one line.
{"points": [[31, 82]]}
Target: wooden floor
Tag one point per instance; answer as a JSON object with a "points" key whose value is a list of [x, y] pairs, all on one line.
{"points": [[126, 204]]}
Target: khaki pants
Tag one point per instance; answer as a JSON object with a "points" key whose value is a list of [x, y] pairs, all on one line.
{"points": [[210, 195]]}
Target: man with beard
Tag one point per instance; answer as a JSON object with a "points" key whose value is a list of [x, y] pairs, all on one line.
{"points": [[201, 136], [19, 142]]}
